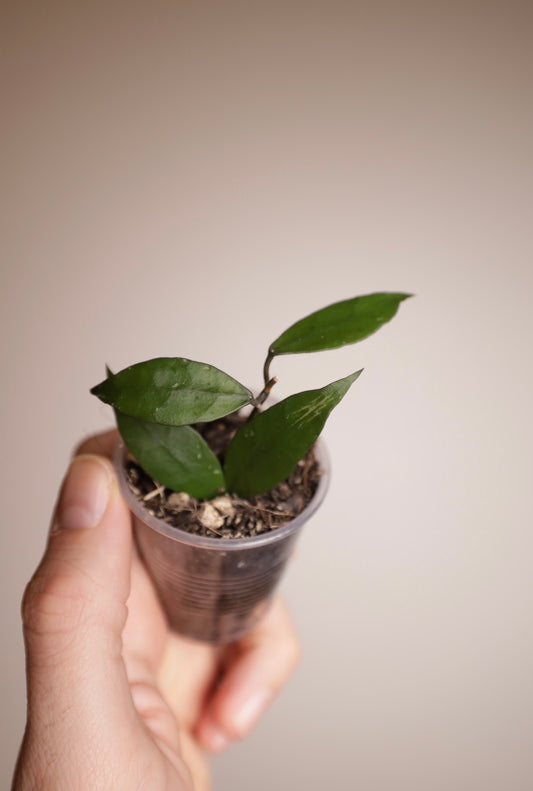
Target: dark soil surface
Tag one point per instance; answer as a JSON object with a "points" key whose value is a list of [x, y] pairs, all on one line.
{"points": [[228, 516]]}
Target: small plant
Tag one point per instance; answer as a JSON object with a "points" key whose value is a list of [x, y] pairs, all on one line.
{"points": [[157, 403]]}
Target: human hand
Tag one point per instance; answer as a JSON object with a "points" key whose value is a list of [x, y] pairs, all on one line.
{"points": [[115, 699]]}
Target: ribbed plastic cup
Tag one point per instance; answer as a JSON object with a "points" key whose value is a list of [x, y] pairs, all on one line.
{"points": [[215, 589]]}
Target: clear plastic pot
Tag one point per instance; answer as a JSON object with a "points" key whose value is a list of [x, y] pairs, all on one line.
{"points": [[215, 589]]}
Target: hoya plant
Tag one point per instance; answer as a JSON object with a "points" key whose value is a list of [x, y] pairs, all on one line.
{"points": [[158, 402]]}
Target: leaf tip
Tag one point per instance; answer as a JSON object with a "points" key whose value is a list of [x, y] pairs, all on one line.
{"points": [[351, 378], [99, 390]]}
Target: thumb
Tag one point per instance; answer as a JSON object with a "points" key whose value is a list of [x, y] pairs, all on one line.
{"points": [[74, 608]]}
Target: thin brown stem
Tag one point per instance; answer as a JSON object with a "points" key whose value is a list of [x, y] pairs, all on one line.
{"points": [[266, 390], [269, 384], [262, 397], [266, 369]]}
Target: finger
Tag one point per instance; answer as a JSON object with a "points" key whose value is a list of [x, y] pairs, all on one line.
{"points": [[145, 636], [99, 444], [261, 664], [187, 692], [74, 608]]}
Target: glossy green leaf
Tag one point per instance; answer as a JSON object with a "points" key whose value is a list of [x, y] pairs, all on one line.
{"points": [[267, 449], [173, 391], [339, 324], [175, 456]]}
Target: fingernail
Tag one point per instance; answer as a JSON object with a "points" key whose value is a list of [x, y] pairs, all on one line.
{"points": [[84, 495], [213, 738], [247, 715]]}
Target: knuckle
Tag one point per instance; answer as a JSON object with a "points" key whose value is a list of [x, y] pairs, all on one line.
{"points": [[68, 602], [53, 605]]}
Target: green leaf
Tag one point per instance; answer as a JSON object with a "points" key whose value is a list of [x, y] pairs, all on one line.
{"points": [[175, 456], [267, 449], [344, 322], [173, 391]]}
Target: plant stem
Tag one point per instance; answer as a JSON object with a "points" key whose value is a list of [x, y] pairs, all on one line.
{"points": [[269, 384], [266, 369], [262, 397], [265, 392]]}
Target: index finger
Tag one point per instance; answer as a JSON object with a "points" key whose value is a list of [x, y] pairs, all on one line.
{"points": [[98, 444], [261, 663]]}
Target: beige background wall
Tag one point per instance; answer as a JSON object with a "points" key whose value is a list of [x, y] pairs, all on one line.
{"points": [[186, 178]]}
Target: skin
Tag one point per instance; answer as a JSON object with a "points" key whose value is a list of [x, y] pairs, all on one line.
{"points": [[116, 701]]}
